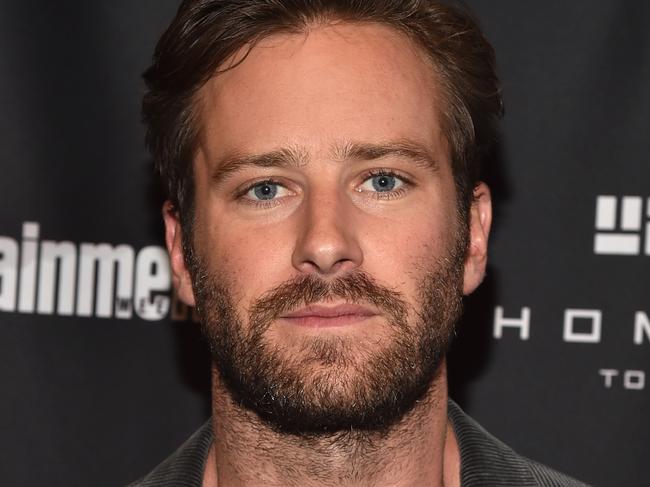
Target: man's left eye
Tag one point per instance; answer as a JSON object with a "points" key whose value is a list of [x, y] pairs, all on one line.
{"points": [[382, 183]]}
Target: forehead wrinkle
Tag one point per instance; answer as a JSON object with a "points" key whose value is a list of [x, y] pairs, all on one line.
{"points": [[236, 161], [403, 148]]}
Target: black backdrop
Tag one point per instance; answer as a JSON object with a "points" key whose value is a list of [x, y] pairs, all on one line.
{"points": [[552, 355]]}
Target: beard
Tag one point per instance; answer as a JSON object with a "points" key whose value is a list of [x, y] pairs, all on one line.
{"points": [[332, 384]]}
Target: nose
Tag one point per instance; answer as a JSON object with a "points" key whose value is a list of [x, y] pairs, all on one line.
{"points": [[327, 241]]}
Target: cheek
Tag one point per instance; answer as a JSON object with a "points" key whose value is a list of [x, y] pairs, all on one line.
{"points": [[250, 260], [399, 253], [247, 258]]}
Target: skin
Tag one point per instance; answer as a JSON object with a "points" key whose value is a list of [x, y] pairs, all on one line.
{"points": [[315, 94]]}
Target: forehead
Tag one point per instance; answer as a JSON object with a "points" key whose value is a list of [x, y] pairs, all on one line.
{"points": [[331, 84]]}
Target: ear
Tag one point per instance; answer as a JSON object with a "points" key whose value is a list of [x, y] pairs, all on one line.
{"points": [[174, 241], [480, 219]]}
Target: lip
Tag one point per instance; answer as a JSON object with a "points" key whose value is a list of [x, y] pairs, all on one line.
{"points": [[316, 315]]}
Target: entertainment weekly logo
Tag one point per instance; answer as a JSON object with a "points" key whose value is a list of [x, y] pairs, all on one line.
{"points": [[619, 225], [86, 279]]}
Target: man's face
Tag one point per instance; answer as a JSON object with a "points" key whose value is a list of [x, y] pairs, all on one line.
{"points": [[328, 257]]}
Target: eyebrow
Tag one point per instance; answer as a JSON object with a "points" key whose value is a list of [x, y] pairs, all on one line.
{"points": [[405, 149], [297, 157], [284, 157]]}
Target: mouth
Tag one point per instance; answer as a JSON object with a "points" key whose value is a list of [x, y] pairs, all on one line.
{"points": [[320, 316]]}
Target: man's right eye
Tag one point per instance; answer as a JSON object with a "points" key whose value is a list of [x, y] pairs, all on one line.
{"points": [[264, 191]]}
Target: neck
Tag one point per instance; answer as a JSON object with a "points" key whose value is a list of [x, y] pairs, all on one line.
{"points": [[419, 450]]}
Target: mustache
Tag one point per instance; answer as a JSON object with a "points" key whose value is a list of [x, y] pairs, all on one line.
{"points": [[309, 289]]}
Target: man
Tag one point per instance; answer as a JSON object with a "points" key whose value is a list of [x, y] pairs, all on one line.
{"points": [[325, 217]]}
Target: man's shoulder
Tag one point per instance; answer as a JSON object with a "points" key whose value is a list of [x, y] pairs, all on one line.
{"points": [[486, 461], [546, 476], [184, 468]]}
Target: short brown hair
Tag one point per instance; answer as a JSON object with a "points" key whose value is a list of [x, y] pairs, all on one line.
{"points": [[205, 33]]}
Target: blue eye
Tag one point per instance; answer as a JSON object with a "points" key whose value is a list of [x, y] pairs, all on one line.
{"points": [[382, 183], [265, 191]]}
